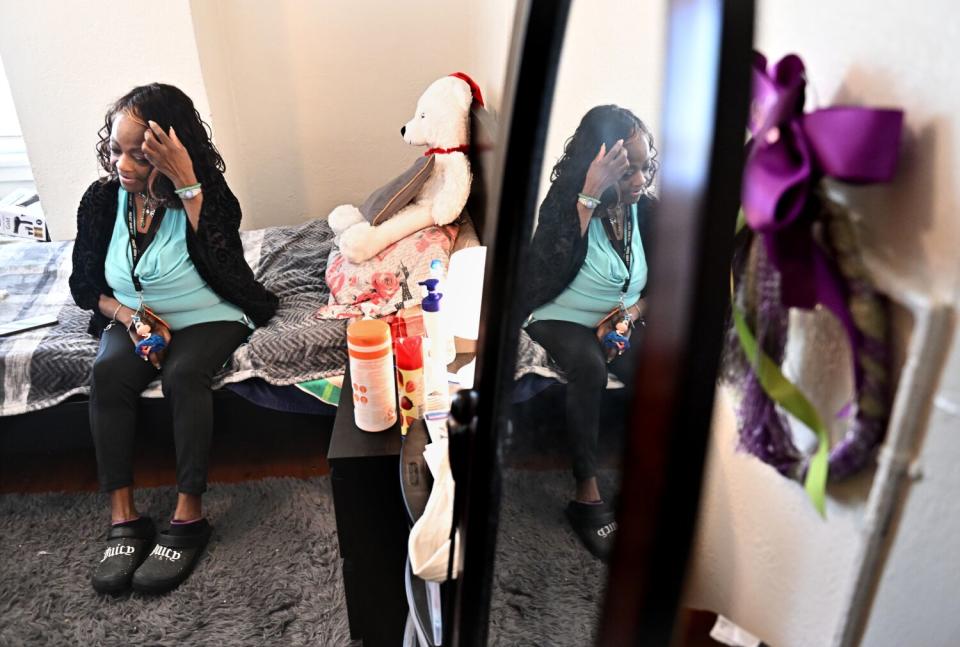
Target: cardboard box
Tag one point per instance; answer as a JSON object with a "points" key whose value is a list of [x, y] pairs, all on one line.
{"points": [[22, 216]]}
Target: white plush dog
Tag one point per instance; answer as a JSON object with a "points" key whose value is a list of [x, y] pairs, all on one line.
{"points": [[441, 122]]}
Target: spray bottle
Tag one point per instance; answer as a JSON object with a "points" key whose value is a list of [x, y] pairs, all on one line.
{"points": [[436, 389], [437, 321]]}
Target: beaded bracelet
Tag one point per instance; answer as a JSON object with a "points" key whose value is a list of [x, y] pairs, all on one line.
{"points": [[187, 188], [188, 192], [588, 201]]}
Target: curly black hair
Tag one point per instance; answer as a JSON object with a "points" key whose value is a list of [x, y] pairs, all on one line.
{"points": [[167, 106], [601, 125]]}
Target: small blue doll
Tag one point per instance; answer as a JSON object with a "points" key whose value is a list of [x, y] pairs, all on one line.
{"points": [[617, 338], [152, 344]]}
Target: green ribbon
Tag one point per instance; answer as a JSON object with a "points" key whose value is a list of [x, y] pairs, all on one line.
{"points": [[786, 394]]}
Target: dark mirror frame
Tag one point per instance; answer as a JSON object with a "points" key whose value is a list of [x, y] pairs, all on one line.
{"points": [[704, 119], [705, 108]]}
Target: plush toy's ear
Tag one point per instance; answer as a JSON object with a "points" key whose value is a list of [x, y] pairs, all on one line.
{"points": [[474, 88], [461, 95]]}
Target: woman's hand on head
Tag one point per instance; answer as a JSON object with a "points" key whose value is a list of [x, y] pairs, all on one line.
{"points": [[168, 155], [606, 169]]}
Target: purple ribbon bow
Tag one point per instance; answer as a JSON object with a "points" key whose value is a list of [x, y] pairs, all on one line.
{"points": [[788, 154]]}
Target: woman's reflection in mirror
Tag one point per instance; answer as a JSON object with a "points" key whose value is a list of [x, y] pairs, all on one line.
{"points": [[586, 276]]}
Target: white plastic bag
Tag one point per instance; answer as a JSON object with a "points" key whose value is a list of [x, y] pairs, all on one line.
{"points": [[429, 541]]}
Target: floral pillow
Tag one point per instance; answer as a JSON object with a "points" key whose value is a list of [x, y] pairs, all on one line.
{"points": [[387, 282]]}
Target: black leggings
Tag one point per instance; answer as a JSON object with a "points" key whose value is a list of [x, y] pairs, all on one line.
{"points": [[576, 349], [193, 357]]}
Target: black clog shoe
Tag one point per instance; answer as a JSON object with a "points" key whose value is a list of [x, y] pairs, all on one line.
{"points": [[596, 526], [173, 557], [127, 547]]}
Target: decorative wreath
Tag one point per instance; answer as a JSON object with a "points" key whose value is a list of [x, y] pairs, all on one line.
{"points": [[799, 249]]}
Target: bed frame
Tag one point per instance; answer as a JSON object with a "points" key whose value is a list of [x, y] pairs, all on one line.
{"points": [[66, 426]]}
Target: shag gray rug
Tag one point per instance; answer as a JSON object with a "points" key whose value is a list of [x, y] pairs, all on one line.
{"points": [[547, 589], [270, 576]]}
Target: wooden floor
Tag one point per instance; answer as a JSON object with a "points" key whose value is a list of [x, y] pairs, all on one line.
{"points": [[233, 458]]}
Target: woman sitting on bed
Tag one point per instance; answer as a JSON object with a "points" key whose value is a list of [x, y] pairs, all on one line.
{"points": [[587, 272], [158, 260]]}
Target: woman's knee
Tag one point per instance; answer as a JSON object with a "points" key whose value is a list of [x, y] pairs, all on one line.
{"points": [[108, 374], [183, 375], [590, 369]]}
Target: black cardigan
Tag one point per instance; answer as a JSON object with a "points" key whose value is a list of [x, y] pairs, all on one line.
{"points": [[558, 248], [214, 248]]}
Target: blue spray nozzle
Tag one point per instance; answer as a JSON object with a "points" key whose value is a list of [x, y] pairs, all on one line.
{"points": [[431, 302]]}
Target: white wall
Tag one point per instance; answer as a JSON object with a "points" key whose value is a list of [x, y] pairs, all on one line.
{"points": [[15, 172], [310, 96], [763, 557], [491, 28], [9, 124], [67, 61]]}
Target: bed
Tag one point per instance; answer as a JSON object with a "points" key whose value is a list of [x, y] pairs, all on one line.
{"points": [[43, 367], [45, 373]]}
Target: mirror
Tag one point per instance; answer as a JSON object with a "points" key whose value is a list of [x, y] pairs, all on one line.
{"points": [[545, 581], [562, 452]]}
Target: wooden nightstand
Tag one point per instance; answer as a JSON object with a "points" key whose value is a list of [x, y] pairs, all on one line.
{"points": [[372, 525], [381, 484]]}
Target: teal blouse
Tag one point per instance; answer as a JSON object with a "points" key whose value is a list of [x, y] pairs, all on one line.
{"points": [[595, 290], [172, 287]]}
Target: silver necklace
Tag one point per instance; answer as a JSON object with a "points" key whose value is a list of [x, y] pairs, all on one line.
{"points": [[149, 208], [614, 221]]}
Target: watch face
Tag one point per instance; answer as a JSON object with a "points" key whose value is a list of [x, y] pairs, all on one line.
{"points": [[192, 193]]}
